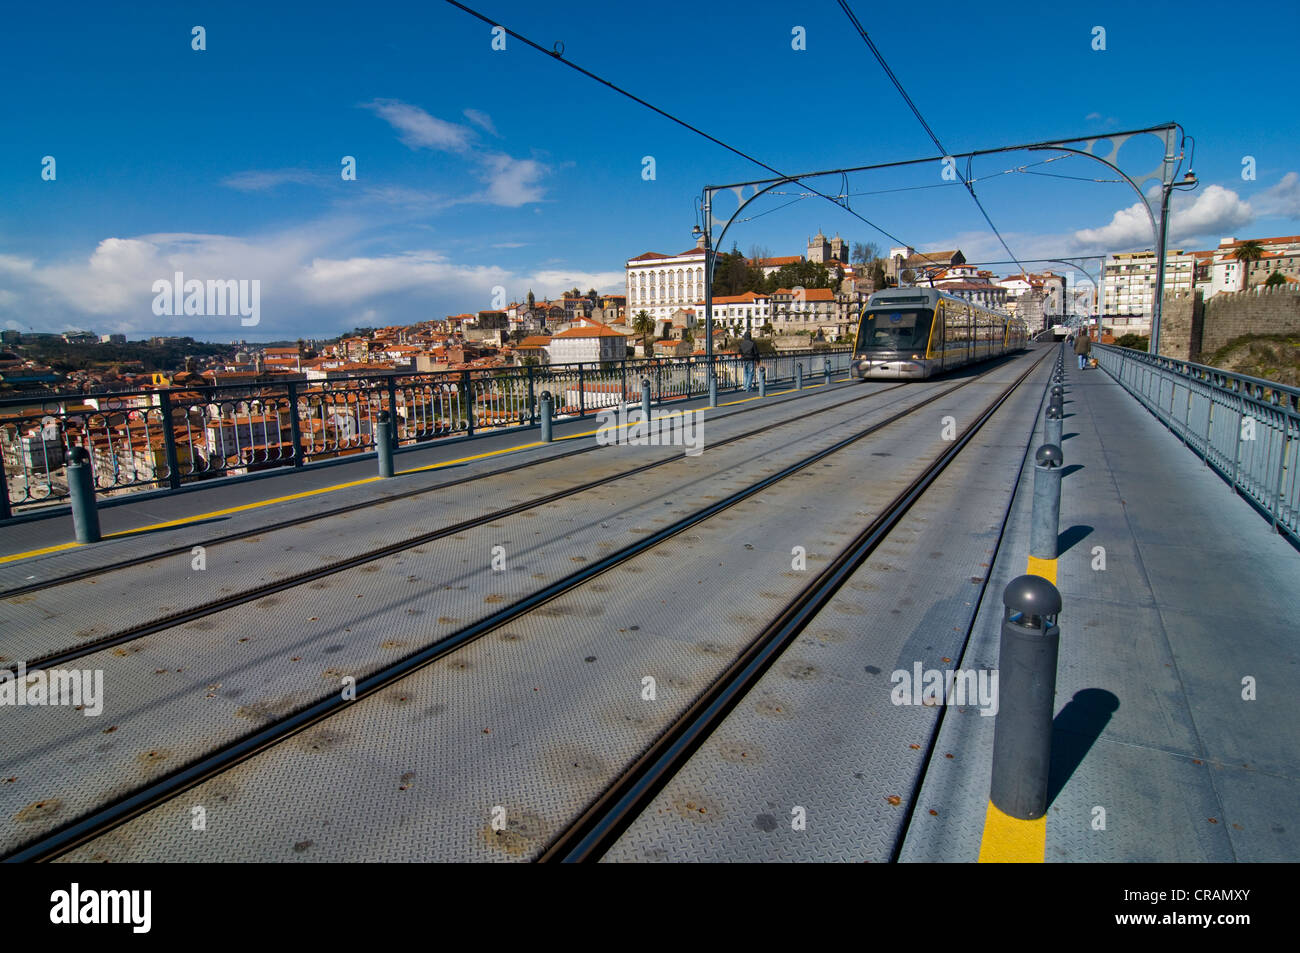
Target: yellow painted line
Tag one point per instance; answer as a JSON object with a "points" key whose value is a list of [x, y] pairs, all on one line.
{"points": [[1009, 840], [39, 552], [1042, 567], [244, 507]]}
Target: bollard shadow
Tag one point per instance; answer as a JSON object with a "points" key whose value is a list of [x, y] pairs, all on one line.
{"points": [[1067, 436], [1073, 535], [1072, 468], [1074, 731]]}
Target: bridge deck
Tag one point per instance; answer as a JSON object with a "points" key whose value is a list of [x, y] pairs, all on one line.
{"points": [[1196, 595]]}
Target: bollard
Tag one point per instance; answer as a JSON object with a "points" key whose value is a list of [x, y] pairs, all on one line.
{"points": [[1022, 737], [826, 371], [1044, 523], [384, 444], [1052, 426], [81, 487], [798, 377], [645, 397], [713, 388], [762, 382], [544, 408]]}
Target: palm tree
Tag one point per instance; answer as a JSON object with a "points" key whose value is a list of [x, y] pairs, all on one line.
{"points": [[1247, 252], [644, 325]]}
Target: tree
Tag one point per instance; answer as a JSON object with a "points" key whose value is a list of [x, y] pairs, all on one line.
{"points": [[863, 254], [907, 275], [878, 274], [1246, 253], [644, 325], [757, 252], [1277, 278], [803, 274]]}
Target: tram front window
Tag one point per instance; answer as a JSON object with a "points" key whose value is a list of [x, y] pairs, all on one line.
{"points": [[887, 329]]}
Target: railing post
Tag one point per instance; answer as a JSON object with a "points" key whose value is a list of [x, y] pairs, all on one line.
{"points": [[169, 440], [5, 511], [622, 367], [467, 402], [582, 392], [295, 423], [392, 408], [1281, 472], [659, 386], [532, 404]]}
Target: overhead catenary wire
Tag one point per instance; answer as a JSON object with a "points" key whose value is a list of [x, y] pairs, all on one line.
{"points": [[966, 180], [557, 54]]}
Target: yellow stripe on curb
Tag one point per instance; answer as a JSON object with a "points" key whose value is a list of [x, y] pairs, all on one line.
{"points": [[1042, 567], [1009, 840], [244, 507]]}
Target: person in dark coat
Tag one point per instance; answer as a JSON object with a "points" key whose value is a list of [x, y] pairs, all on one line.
{"points": [[749, 354], [1082, 348]]}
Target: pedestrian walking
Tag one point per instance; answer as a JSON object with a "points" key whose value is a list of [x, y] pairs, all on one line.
{"points": [[749, 354], [1082, 348]]}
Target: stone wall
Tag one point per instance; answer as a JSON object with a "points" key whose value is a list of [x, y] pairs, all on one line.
{"points": [[1181, 318], [1257, 311], [1192, 330]]}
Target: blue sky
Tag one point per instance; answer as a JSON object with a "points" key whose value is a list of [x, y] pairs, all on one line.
{"points": [[479, 168]]}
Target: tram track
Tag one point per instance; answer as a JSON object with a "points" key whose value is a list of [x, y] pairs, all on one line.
{"points": [[215, 762], [72, 653], [591, 835], [307, 518]]}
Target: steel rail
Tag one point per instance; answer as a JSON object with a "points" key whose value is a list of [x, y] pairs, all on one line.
{"points": [[607, 817], [109, 816]]}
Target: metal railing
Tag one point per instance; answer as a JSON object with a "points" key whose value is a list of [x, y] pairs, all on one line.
{"points": [[1246, 428], [167, 438]]}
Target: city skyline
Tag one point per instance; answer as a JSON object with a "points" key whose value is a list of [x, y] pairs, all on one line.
{"points": [[481, 168]]}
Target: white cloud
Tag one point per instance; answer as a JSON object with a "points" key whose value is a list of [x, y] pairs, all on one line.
{"points": [[263, 180], [421, 130], [512, 182], [482, 120], [1212, 212], [308, 289], [1282, 199]]}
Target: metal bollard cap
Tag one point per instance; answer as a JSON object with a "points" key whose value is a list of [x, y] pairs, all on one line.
{"points": [[1032, 596], [546, 395], [1057, 390], [78, 456], [1049, 455], [383, 417], [1054, 412]]}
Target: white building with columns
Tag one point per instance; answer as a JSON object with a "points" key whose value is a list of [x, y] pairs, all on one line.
{"points": [[660, 284]]}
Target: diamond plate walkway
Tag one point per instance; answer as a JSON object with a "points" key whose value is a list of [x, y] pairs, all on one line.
{"points": [[1157, 756]]}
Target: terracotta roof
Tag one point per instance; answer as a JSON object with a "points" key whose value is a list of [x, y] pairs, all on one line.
{"points": [[649, 256], [779, 261], [599, 331], [537, 340]]}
